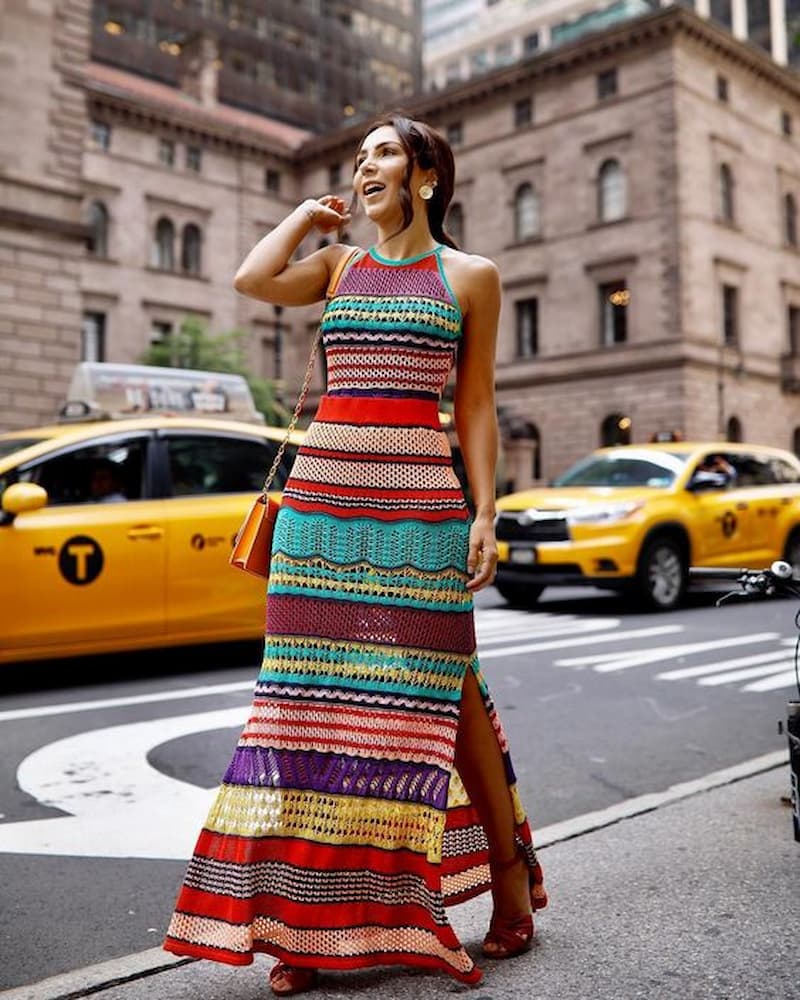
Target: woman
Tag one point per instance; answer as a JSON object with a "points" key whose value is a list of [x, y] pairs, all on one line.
{"points": [[372, 784]]}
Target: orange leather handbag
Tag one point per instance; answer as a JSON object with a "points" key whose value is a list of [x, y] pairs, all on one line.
{"points": [[252, 548]]}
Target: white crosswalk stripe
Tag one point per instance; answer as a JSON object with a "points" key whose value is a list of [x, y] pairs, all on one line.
{"points": [[502, 633]]}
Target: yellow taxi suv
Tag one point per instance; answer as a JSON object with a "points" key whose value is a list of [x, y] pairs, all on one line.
{"points": [[115, 532], [634, 518]]}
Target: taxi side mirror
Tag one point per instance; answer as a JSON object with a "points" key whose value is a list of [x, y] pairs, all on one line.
{"points": [[23, 497]]}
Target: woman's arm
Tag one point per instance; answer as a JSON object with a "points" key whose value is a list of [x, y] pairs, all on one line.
{"points": [[266, 272], [476, 413]]}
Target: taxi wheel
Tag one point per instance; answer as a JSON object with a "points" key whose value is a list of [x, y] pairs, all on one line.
{"points": [[662, 575], [523, 595]]}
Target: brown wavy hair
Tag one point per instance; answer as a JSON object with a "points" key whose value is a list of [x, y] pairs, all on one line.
{"points": [[424, 146]]}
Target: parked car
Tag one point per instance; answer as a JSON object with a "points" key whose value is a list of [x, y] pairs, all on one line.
{"points": [[115, 533], [634, 518]]}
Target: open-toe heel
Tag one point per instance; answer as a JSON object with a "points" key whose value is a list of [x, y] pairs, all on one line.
{"points": [[510, 936], [507, 938], [287, 980]]}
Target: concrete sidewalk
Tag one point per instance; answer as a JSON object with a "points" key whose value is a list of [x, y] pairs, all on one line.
{"points": [[697, 900]]}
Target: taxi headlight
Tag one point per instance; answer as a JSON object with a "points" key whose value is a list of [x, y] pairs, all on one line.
{"points": [[608, 513]]}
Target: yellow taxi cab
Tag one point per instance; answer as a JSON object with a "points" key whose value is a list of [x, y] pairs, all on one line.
{"points": [[634, 518], [115, 533]]}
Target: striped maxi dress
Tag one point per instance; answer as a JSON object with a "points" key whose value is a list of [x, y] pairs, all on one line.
{"points": [[342, 830]]}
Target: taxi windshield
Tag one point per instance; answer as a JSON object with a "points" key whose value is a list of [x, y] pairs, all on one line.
{"points": [[9, 445], [625, 468]]}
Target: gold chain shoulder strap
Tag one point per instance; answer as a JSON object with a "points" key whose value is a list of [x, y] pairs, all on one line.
{"points": [[341, 266]]}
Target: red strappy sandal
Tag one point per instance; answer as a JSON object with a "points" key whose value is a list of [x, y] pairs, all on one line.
{"points": [[508, 938], [287, 980]]}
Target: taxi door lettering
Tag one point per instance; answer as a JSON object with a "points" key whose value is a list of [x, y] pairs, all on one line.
{"points": [[80, 560]]}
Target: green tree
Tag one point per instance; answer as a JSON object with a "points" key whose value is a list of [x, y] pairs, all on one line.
{"points": [[195, 348]]}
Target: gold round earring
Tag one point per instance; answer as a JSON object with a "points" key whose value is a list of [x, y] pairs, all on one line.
{"points": [[426, 192]]}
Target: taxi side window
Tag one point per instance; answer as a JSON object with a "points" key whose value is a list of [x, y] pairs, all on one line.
{"points": [[752, 470], [784, 471], [205, 464], [110, 472]]}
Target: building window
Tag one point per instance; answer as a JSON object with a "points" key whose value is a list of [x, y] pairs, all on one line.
{"points": [[97, 244], [191, 249], [479, 62], [166, 152], [527, 322], [100, 134], [730, 315], [526, 213], [530, 43], [793, 329], [726, 193], [455, 223], [786, 123], [733, 430], [160, 331], [194, 158], [611, 193], [796, 441], [615, 297], [722, 88], [164, 245], [790, 220], [335, 175], [523, 112], [606, 84], [722, 12], [503, 53], [455, 133], [93, 336], [615, 429], [452, 72], [272, 180]]}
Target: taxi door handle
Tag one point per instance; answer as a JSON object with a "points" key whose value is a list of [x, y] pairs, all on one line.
{"points": [[145, 531]]}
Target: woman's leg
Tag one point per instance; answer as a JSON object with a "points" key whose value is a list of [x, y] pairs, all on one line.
{"points": [[480, 764]]}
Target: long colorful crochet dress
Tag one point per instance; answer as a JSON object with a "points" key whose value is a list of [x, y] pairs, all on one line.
{"points": [[342, 830]]}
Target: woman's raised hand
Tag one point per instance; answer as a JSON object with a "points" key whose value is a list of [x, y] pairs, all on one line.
{"points": [[328, 212]]}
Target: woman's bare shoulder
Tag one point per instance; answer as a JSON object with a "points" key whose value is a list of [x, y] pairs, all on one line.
{"points": [[471, 265]]}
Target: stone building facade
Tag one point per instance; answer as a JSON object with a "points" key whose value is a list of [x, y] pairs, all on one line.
{"points": [[636, 188]]}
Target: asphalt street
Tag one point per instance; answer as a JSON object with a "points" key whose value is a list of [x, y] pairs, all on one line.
{"points": [[107, 767]]}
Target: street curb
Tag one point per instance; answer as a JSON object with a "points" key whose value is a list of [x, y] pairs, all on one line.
{"points": [[106, 975], [97, 978]]}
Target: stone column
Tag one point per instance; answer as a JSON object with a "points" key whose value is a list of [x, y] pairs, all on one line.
{"points": [[740, 19], [777, 20]]}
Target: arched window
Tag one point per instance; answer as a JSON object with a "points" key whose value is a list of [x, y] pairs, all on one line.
{"points": [[611, 193], [790, 220], [164, 245], [455, 223], [733, 429], [191, 249], [726, 194], [615, 429], [796, 441], [97, 244], [526, 212]]}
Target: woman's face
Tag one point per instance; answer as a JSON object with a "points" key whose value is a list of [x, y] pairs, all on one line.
{"points": [[381, 164]]}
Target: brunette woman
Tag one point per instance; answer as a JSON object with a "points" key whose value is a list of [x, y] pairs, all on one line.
{"points": [[372, 784]]}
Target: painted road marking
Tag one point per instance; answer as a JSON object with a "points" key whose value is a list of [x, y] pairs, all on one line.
{"points": [[610, 662]]}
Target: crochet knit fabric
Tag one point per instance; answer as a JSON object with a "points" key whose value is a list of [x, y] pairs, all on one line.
{"points": [[342, 829]]}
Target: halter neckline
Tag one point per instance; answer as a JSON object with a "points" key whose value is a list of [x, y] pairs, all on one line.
{"points": [[404, 260]]}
